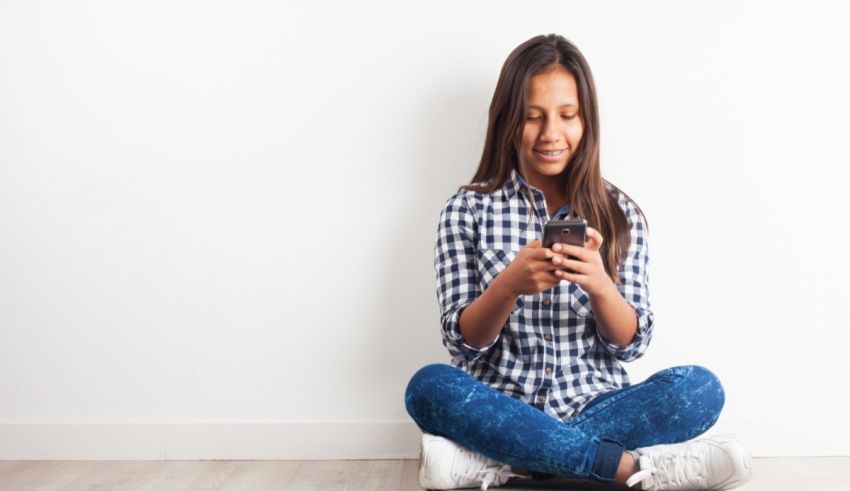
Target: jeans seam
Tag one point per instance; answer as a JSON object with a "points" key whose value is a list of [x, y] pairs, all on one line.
{"points": [[595, 410]]}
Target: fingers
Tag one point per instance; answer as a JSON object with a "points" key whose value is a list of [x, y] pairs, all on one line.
{"points": [[571, 277], [561, 263], [594, 239], [582, 253], [543, 253], [539, 252]]}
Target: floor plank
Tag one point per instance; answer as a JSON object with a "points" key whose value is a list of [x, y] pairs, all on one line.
{"points": [[264, 474], [123, 475], [778, 474], [43, 475], [409, 476]]}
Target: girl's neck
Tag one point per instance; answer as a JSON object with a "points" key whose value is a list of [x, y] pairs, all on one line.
{"points": [[552, 188]]}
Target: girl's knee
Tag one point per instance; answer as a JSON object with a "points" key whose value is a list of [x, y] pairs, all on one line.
{"points": [[424, 385], [702, 388], [427, 375], [696, 387], [706, 383], [693, 377]]}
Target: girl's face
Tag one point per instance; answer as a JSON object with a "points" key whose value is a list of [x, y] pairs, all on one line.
{"points": [[553, 128]]}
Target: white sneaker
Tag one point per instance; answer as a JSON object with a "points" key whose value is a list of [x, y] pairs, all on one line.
{"points": [[715, 463], [443, 464]]}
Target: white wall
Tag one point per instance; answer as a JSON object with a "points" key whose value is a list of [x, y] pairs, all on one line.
{"points": [[218, 218]]}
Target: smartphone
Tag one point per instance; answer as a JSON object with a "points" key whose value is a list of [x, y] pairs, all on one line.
{"points": [[572, 231]]}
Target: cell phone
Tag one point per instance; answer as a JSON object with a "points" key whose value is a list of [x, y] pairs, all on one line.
{"points": [[572, 231]]}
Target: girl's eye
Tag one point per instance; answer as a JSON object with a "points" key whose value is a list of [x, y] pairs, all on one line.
{"points": [[566, 116], [533, 118]]}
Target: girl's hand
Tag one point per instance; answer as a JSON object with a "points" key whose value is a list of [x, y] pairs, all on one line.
{"points": [[532, 270], [585, 262]]}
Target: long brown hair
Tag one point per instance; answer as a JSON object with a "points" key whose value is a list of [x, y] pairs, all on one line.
{"points": [[585, 188]]}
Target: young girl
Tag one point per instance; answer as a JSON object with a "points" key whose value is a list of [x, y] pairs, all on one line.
{"points": [[536, 335]]}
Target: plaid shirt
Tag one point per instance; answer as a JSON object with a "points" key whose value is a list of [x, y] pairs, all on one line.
{"points": [[549, 353]]}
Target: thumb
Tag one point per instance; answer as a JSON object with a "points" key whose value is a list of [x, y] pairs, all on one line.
{"points": [[537, 244], [538, 249]]}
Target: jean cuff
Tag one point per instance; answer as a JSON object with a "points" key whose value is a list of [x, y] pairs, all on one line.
{"points": [[607, 461]]}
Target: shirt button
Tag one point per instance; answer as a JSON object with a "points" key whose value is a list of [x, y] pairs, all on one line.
{"points": [[541, 398], [547, 337], [546, 301], [548, 370]]}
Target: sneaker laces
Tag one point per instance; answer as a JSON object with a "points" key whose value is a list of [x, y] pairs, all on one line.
{"points": [[490, 475], [669, 471]]}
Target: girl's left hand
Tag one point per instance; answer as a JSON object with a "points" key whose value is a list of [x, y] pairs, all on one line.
{"points": [[586, 264]]}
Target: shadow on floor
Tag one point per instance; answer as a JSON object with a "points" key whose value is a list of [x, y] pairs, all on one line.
{"points": [[560, 483]]}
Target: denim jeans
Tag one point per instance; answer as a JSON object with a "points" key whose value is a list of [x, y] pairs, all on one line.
{"points": [[671, 406]]}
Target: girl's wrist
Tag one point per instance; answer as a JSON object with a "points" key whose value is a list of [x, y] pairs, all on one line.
{"points": [[503, 289], [609, 289]]}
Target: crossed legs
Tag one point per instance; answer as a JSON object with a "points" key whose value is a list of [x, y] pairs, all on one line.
{"points": [[671, 406]]}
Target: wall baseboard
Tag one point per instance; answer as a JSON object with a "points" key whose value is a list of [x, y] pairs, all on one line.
{"points": [[333, 440]]}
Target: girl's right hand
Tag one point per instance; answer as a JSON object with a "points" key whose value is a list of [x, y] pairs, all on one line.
{"points": [[532, 270]]}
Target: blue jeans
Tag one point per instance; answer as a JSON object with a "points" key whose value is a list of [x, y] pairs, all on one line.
{"points": [[671, 406]]}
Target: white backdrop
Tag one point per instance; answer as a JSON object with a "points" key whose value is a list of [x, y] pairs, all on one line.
{"points": [[217, 218]]}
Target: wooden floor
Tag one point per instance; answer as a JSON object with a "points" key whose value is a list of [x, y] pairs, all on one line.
{"points": [[803, 474]]}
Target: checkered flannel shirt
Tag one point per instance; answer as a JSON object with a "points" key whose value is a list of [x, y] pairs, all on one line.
{"points": [[549, 353]]}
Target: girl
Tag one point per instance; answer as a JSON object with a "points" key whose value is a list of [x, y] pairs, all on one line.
{"points": [[536, 335]]}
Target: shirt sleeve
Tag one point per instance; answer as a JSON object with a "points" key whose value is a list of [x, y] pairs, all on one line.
{"points": [[457, 275], [634, 286]]}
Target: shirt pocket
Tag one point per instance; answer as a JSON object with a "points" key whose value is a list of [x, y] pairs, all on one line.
{"points": [[491, 262], [579, 300]]}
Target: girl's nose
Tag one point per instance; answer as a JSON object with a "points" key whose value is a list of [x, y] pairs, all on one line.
{"points": [[550, 130]]}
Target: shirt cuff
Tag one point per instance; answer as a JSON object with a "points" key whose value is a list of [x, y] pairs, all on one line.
{"points": [[639, 342], [454, 342]]}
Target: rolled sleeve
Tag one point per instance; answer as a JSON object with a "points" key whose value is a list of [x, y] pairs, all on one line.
{"points": [[454, 342], [457, 277], [634, 286]]}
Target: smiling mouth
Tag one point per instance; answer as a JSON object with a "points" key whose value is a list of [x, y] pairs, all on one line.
{"points": [[550, 153]]}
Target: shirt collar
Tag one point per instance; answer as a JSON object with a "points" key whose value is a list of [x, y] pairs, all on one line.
{"points": [[514, 182]]}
